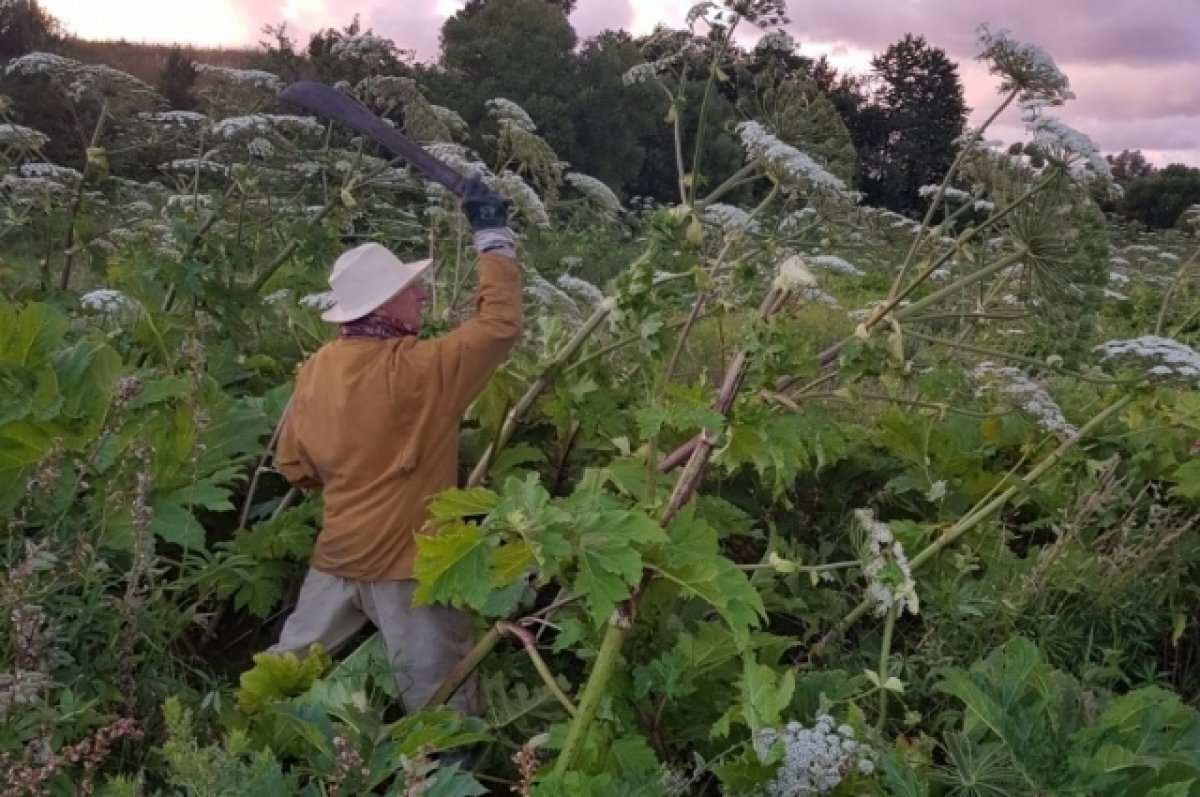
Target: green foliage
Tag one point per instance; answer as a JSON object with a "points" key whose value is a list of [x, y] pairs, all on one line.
{"points": [[1159, 200], [276, 676]]}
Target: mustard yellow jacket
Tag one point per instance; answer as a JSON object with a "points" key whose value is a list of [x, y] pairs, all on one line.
{"points": [[374, 425]]}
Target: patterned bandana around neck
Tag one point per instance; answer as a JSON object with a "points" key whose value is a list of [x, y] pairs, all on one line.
{"points": [[377, 327]]}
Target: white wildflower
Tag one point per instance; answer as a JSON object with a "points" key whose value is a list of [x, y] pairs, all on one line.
{"points": [[1117, 278], [815, 760], [733, 221], [105, 300], [1023, 66], [189, 202], [191, 165], [596, 192], [258, 124], [1115, 296], [261, 148], [1170, 257], [885, 565], [508, 113], [318, 301], [174, 119], [582, 288], [788, 165], [1057, 137], [798, 220], [835, 264], [1032, 397], [21, 138], [951, 193], [983, 206], [1163, 356], [793, 275], [363, 47], [820, 297], [49, 171], [776, 41], [242, 77], [524, 198], [40, 64], [549, 297], [277, 297]]}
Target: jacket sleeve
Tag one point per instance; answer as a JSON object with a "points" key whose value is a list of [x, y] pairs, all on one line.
{"points": [[471, 354], [291, 458]]}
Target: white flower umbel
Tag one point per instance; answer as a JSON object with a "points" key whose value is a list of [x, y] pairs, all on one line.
{"points": [[105, 300], [596, 192], [1031, 397], [264, 123], [524, 198], [581, 288], [885, 565], [699, 11], [1163, 358], [951, 193], [550, 298], [458, 158], [1022, 66], [363, 47], [1059, 138], [788, 165], [261, 148], [777, 41], [793, 275], [41, 64], [191, 165], [21, 138], [173, 120], [835, 264], [240, 77], [318, 301], [507, 112], [59, 174], [815, 760], [733, 221]]}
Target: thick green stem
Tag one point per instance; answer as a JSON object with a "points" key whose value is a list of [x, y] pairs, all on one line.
{"points": [[885, 656], [593, 693]]}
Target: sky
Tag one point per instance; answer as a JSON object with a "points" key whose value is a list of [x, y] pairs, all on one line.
{"points": [[1134, 65]]}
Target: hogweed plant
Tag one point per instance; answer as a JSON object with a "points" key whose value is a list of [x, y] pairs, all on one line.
{"points": [[729, 511]]}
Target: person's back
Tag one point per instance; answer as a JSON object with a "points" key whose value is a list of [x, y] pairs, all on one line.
{"points": [[373, 424]]}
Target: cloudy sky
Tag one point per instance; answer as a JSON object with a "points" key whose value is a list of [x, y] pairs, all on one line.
{"points": [[1134, 64]]}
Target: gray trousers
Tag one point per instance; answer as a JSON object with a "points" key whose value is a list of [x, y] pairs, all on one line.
{"points": [[424, 643]]}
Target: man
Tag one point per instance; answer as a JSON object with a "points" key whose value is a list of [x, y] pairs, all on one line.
{"points": [[374, 425]]}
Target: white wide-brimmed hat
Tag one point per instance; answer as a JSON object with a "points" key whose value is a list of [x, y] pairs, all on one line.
{"points": [[365, 277]]}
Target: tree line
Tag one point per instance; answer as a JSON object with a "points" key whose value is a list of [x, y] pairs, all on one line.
{"points": [[888, 132]]}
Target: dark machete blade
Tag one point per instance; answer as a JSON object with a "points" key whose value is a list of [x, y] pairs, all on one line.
{"points": [[333, 104]]}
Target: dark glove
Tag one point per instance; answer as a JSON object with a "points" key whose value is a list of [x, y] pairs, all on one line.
{"points": [[483, 207]]}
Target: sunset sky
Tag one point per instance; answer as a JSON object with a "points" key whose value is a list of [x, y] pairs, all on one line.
{"points": [[1134, 64]]}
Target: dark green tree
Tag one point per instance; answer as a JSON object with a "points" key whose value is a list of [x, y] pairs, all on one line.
{"points": [[1159, 199], [521, 50], [177, 79], [919, 98], [611, 151], [26, 27]]}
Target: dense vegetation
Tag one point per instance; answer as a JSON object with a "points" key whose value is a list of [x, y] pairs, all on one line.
{"points": [[783, 493]]}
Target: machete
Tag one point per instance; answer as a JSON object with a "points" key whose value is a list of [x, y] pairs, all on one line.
{"points": [[329, 102]]}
